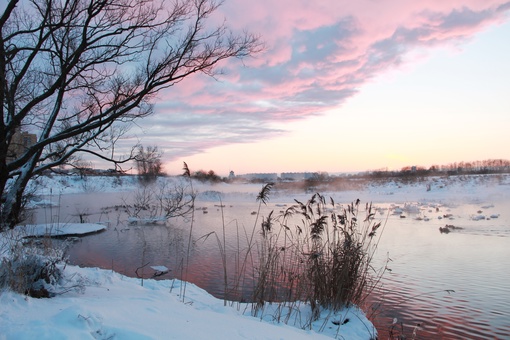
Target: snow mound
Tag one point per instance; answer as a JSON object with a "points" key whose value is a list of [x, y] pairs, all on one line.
{"points": [[59, 229]]}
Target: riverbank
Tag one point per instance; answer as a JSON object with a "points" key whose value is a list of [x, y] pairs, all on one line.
{"points": [[92, 303]]}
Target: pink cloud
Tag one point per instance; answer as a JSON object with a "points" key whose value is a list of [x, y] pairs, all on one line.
{"points": [[318, 54]]}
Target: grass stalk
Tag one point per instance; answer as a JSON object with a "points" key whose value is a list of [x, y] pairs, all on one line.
{"points": [[187, 175]]}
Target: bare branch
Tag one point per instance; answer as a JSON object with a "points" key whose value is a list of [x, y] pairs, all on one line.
{"points": [[73, 70]]}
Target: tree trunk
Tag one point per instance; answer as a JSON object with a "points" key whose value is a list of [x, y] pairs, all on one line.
{"points": [[14, 198], [4, 176]]}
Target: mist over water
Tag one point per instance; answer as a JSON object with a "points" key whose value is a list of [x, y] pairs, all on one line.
{"points": [[439, 285]]}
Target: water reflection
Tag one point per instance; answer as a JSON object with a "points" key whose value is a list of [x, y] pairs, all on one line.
{"points": [[440, 286], [427, 265]]}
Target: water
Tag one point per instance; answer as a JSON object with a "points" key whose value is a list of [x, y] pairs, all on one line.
{"points": [[449, 286], [452, 286]]}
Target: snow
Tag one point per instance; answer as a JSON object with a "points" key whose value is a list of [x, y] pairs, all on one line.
{"points": [[59, 229], [160, 268], [101, 304], [113, 306]]}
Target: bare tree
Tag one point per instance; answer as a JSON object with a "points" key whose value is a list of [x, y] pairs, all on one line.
{"points": [[73, 71], [148, 163]]}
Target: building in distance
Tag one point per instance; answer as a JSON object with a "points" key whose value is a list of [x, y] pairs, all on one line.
{"points": [[20, 142]]}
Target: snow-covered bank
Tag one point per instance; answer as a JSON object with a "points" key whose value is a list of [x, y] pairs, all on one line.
{"points": [[100, 304], [465, 188]]}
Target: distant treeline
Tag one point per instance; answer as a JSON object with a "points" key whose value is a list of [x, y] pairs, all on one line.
{"points": [[489, 166]]}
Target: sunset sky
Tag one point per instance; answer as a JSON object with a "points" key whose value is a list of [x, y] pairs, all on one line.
{"points": [[346, 86]]}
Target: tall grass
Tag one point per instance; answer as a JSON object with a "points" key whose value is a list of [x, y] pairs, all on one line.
{"points": [[318, 253], [187, 175], [244, 258]]}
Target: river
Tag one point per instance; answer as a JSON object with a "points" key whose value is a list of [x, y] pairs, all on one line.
{"points": [[438, 285]]}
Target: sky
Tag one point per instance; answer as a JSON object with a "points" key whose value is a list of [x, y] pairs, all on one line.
{"points": [[345, 86]]}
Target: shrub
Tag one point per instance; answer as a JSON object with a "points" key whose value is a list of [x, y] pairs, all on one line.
{"points": [[29, 269], [160, 201]]}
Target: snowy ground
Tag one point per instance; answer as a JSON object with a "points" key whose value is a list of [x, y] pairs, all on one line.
{"points": [[100, 304], [112, 306]]}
